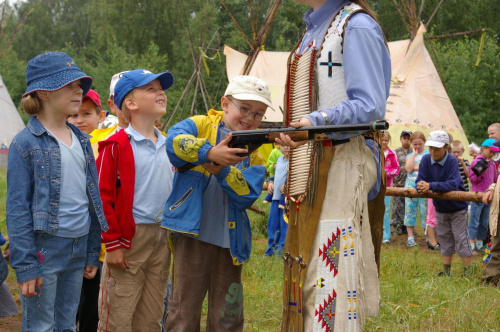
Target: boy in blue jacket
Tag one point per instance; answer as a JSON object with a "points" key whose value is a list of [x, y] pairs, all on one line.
{"points": [[211, 235], [438, 172]]}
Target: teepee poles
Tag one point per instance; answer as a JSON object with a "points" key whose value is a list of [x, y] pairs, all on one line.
{"points": [[258, 35], [18, 27], [433, 13], [199, 86]]}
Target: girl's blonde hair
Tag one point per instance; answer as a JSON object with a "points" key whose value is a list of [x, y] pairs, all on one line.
{"points": [[32, 104], [385, 132], [418, 135]]}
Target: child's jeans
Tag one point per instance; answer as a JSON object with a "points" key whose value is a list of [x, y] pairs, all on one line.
{"points": [[276, 229], [387, 219], [478, 222], [62, 261]]}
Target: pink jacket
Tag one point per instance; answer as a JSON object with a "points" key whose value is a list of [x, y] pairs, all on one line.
{"points": [[391, 167]]}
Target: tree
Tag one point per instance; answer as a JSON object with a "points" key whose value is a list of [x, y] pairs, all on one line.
{"points": [[473, 90]]}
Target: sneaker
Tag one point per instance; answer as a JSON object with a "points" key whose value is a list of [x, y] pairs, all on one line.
{"points": [[385, 241], [444, 274], [411, 243], [437, 246]]}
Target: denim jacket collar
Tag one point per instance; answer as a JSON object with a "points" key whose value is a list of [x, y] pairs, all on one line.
{"points": [[37, 128]]}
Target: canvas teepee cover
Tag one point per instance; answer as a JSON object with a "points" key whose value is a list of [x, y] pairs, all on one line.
{"points": [[417, 101], [11, 122]]}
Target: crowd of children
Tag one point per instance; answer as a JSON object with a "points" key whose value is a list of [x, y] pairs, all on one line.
{"points": [[95, 215], [448, 226]]}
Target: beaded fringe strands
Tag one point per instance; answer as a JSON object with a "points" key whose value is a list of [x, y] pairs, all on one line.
{"points": [[299, 103]]}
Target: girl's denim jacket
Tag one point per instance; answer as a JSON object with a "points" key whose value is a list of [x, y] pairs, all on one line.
{"points": [[33, 194]]}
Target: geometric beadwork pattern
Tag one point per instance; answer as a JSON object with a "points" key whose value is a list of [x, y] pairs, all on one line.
{"points": [[330, 252], [326, 313]]}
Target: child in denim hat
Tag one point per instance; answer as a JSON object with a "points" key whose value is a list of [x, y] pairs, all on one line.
{"points": [[135, 181], [54, 211]]}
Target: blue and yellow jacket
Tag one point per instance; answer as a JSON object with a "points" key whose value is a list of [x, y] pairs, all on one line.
{"points": [[188, 142]]}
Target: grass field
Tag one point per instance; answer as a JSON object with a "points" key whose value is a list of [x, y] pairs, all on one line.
{"points": [[413, 297]]}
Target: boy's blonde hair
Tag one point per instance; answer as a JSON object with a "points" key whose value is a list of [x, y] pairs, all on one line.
{"points": [[456, 144], [125, 110], [32, 104]]}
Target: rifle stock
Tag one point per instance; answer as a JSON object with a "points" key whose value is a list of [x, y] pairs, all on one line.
{"points": [[253, 139]]}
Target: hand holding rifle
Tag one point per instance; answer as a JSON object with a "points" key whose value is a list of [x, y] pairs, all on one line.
{"points": [[222, 154], [286, 140], [237, 145]]}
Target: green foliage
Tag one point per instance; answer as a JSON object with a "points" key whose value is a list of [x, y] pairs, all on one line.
{"points": [[106, 37], [473, 90], [413, 298]]}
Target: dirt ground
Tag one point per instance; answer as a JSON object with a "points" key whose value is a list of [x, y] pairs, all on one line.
{"points": [[13, 323]]}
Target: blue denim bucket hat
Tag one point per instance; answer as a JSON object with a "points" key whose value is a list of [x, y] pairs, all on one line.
{"points": [[53, 70], [137, 78]]}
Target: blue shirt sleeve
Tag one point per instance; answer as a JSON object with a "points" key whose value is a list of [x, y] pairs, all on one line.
{"points": [[367, 71]]}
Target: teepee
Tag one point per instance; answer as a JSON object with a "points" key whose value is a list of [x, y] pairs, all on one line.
{"points": [[11, 122]]}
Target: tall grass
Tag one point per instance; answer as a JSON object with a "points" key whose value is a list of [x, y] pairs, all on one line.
{"points": [[413, 298]]}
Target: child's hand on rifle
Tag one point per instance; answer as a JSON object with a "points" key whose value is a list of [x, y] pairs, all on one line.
{"points": [[286, 140], [223, 155]]}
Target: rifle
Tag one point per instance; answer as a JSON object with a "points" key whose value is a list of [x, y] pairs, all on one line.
{"points": [[253, 139]]}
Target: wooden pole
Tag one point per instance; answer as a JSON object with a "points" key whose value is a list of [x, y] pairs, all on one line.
{"points": [[433, 13], [402, 17], [449, 196], [236, 23], [456, 34]]}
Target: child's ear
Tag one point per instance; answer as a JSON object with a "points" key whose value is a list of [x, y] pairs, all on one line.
{"points": [[224, 103], [130, 104], [43, 95], [102, 116]]}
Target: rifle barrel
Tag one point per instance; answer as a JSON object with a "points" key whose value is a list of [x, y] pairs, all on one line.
{"points": [[302, 133]]}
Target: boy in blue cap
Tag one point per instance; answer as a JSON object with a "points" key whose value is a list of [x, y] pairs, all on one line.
{"points": [[135, 181]]}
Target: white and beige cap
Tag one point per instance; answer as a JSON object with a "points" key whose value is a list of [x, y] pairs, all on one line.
{"points": [[438, 139], [114, 80], [249, 88]]}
